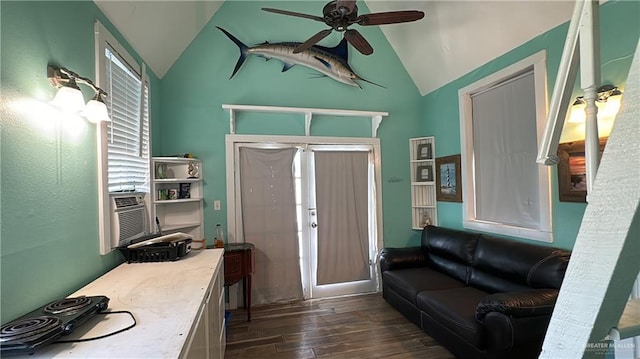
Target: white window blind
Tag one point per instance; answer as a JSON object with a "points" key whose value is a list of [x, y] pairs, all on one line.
{"points": [[502, 117], [128, 133], [505, 149]]}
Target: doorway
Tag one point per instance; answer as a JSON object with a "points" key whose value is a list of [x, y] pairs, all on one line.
{"points": [[336, 182]]}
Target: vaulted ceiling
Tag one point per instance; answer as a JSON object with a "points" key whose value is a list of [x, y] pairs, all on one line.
{"points": [[454, 37]]}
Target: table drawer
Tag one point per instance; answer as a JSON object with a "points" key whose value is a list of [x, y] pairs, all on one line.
{"points": [[232, 264]]}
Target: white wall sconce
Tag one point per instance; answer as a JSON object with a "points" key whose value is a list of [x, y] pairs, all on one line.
{"points": [[608, 103], [69, 97]]}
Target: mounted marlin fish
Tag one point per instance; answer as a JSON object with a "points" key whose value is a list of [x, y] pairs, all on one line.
{"points": [[329, 61]]}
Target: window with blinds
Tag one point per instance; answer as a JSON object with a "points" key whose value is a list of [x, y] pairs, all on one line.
{"points": [[505, 191], [128, 131], [124, 143]]}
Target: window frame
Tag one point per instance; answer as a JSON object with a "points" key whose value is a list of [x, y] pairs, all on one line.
{"points": [[104, 39], [544, 232]]}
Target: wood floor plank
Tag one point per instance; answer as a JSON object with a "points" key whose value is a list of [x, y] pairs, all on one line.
{"points": [[381, 351], [363, 326]]}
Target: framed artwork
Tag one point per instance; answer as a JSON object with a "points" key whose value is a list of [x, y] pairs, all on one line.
{"points": [[424, 173], [425, 151], [572, 171], [448, 179]]}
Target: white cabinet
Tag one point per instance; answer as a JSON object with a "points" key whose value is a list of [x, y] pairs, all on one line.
{"points": [[422, 152], [209, 337], [216, 332], [198, 345], [177, 195]]}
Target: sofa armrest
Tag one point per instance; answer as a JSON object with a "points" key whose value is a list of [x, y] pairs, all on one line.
{"points": [[518, 304], [398, 258], [509, 337]]}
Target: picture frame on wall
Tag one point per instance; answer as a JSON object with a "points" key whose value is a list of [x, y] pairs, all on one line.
{"points": [[448, 179], [425, 151], [424, 173], [572, 172]]}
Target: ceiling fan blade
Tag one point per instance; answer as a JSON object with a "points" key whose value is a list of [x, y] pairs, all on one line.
{"points": [[312, 41], [393, 17], [291, 13], [358, 41], [347, 4]]}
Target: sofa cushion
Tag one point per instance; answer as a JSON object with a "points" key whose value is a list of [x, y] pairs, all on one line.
{"points": [[492, 283], [523, 264], [450, 251], [456, 310], [410, 281]]}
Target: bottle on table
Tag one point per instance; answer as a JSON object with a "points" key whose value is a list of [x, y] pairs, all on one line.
{"points": [[218, 240]]}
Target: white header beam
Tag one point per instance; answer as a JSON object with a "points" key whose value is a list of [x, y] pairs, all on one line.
{"points": [[376, 117]]}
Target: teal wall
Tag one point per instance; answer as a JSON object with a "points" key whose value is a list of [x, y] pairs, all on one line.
{"points": [[192, 120], [49, 203], [48, 197], [620, 29]]}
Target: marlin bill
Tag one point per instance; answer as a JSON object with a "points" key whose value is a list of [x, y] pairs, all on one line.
{"points": [[329, 61]]}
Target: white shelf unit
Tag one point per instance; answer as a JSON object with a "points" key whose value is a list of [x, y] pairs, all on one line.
{"points": [[422, 152], [181, 214]]}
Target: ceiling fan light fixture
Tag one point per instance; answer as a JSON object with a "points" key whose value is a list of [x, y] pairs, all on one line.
{"points": [[340, 14]]}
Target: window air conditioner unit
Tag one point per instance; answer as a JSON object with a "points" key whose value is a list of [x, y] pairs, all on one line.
{"points": [[129, 219]]}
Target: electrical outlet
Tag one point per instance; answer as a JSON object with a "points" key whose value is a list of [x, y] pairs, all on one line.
{"points": [[216, 205]]}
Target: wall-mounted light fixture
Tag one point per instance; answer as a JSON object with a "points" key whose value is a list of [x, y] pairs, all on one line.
{"points": [[608, 103], [69, 97]]}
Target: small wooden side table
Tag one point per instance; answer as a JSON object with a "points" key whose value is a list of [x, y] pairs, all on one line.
{"points": [[240, 263]]}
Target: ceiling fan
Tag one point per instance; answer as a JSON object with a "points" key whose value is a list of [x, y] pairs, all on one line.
{"points": [[340, 14]]}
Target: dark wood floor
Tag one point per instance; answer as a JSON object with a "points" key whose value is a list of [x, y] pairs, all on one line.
{"points": [[350, 327]]}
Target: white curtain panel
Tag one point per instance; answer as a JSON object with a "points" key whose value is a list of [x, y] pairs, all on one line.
{"points": [[342, 206], [269, 222], [504, 161]]}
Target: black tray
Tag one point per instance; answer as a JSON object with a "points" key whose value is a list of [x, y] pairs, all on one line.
{"points": [[158, 252]]}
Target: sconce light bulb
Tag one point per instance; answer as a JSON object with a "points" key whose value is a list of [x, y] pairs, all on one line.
{"points": [[611, 107], [578, 114], [69, 98], [96, 111]]}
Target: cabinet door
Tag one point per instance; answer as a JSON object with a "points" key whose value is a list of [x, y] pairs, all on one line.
{"points": [[198, 347], [217, 339]]}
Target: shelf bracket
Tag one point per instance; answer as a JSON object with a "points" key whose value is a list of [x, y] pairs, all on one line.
{"points": [[307, 123], [232, 121], [375, 123]]}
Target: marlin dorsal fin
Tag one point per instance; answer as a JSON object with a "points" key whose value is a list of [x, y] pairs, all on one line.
{"points": [[340, 50]]}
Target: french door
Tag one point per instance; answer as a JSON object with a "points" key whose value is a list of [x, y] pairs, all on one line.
{"points": [[339, 246], [337, 195]]}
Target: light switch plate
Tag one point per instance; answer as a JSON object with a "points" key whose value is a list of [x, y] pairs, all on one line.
{"points": [[216, 205]]}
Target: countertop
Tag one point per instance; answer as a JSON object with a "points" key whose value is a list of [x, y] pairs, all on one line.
{"points": [[165, 299]]}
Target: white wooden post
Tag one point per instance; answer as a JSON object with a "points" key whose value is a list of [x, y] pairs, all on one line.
{"points": [[561, 96], [590, 81], [604, 262]]}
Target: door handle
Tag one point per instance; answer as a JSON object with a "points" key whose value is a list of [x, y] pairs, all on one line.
{"points": [[314, 225]]}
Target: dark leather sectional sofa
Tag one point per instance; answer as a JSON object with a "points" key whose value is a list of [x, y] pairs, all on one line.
{"points": [[477, 295]]}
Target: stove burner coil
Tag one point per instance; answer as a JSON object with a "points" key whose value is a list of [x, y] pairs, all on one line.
{"points": [[28, 328], [67, 305], [47, 324]]}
